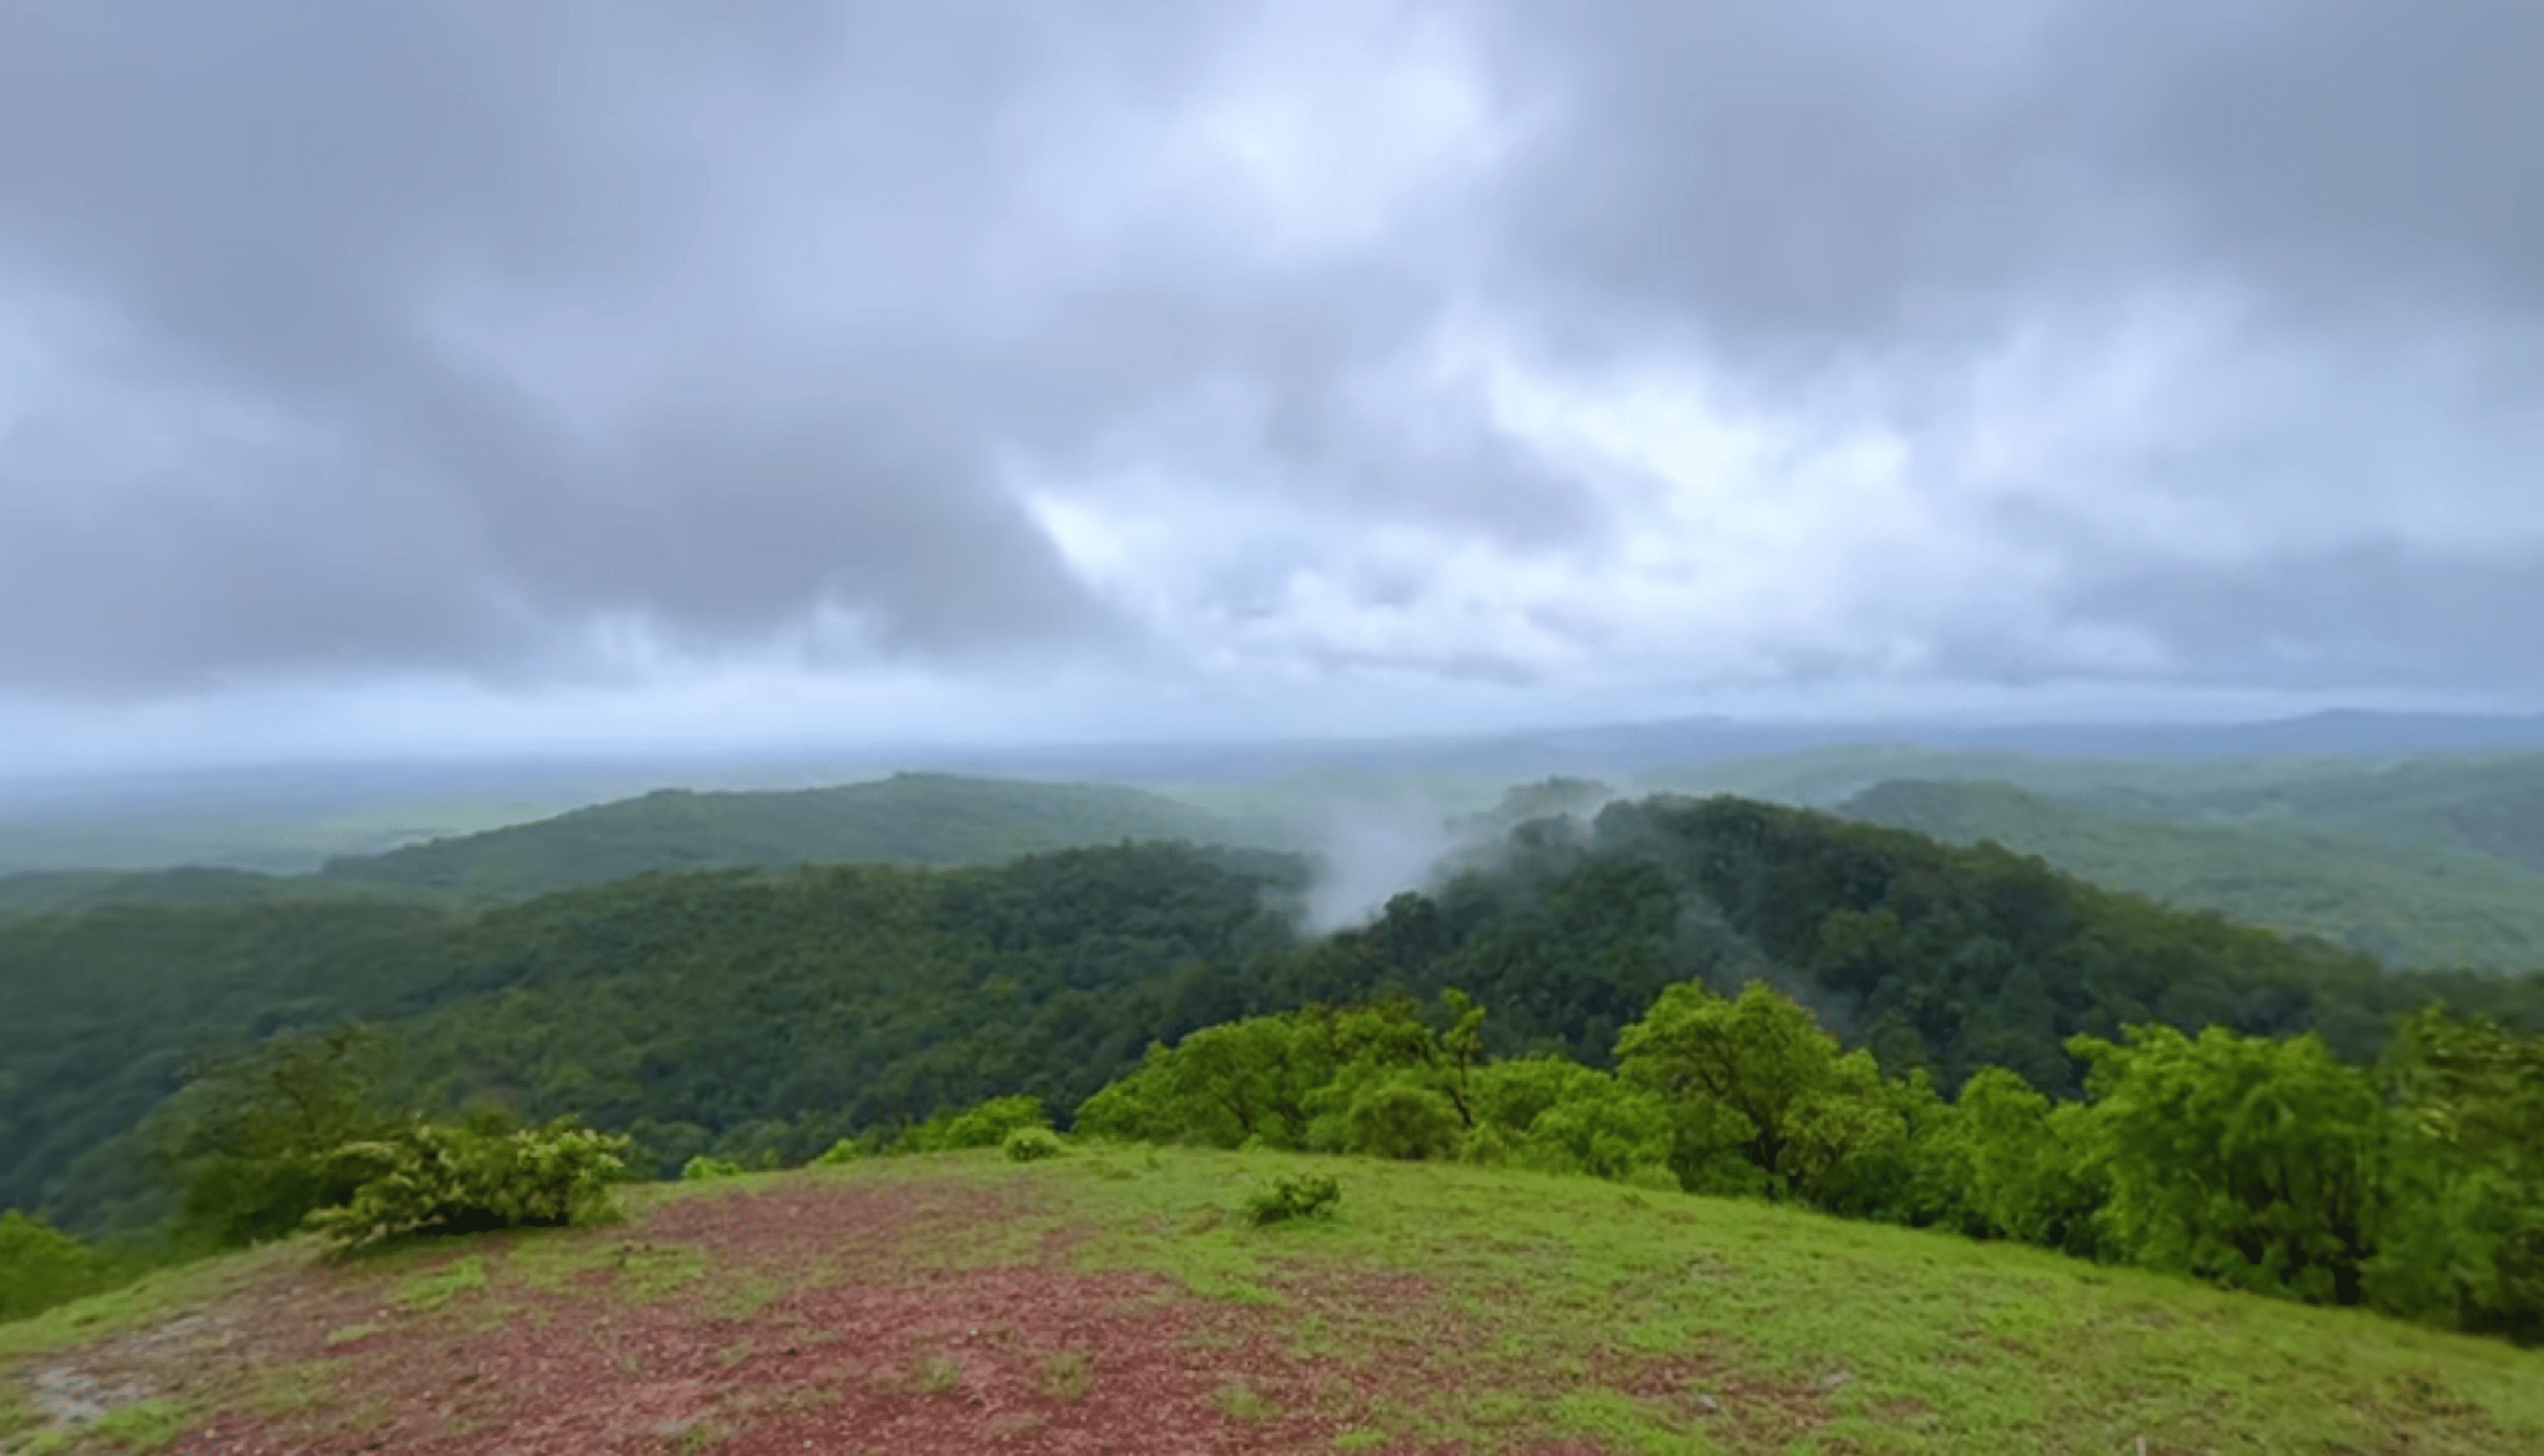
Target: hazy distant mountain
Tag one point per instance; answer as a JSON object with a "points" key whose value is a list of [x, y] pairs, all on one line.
{"points": [[44, 892], [908, 819], [2433, 862]]}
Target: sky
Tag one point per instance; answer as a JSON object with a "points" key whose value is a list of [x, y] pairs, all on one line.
{"points": [[456, 376]]}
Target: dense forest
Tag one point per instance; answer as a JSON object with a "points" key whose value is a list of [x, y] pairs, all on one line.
{"points": [[906, 819], [2435, 903], [757, 1015]]}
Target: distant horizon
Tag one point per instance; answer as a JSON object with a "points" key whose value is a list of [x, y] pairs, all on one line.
{"points": [[2440, 727]]}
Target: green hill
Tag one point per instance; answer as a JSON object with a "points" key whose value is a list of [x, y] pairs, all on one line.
{"points": [[907, 819], [68, 891], [694, 1007], [2491, 805], [2438, 903], [1112, 1300], [749, 1011]]}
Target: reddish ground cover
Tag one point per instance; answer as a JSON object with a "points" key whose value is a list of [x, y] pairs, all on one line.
{"points": [[803, 1318]]}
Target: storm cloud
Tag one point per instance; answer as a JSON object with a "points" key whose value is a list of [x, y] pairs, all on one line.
{"points": [[1660, 348]]}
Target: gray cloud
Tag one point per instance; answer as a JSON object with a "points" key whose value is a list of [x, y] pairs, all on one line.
{"points": [[485, 338], [1851, 174]]}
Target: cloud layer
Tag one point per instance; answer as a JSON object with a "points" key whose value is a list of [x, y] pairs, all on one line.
{"points": [[1352, 348]]}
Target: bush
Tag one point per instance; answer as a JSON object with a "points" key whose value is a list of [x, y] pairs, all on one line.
{"points": [[42, 1267], [431, 1179], [987, 1125], [844, 1151], [704, 1170], [1032, 1145], [1294, 1195]]}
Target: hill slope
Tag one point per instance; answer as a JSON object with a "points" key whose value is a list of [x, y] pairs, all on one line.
{"points": [[2436, 905], [908, 819], [70, 891], [1110, 1301], [751, 1012]]}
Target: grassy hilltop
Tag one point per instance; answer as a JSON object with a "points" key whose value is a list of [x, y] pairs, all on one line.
{"points": [[1112, 1300]]}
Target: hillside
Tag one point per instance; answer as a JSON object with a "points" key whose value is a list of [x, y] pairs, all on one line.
{"points": [[765, 1013], [907, 819], [692, 1007], [1111, 1301], [70, 891], [2490, 805], [2437, 905]]}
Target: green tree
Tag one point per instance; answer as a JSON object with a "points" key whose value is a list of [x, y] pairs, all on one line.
{"points": [[1763, 1100], [1555, 1114], [42, 1267], [2028, 1173], [2245, 1160], [2462, 1226], [253, 1137], [1224, 1086]]}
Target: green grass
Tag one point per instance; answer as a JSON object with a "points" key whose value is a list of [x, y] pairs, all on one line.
{"points": [[427, 1292], [1887, 1339]]}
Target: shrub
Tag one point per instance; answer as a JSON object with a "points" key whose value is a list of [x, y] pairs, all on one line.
{"points": [[702, 1169], [845, 1150], [987, 1125], [1032, 1145], [431, 1179], [42, 1267], [1294, 1195]]}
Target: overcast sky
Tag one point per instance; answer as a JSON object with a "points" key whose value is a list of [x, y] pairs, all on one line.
{"points": [[392, 375]]}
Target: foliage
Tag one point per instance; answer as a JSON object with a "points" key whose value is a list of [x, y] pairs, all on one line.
{"points": [[702, 1169], [761, 1018], [2408, 902], [1557, 1115], [1292, 1195], [2248, 1160], [1226, 1085], [454, 1179], [1032, 1145], [916, 819], [2028, 1172], [42, 1267], [255, 1138], [2464, 1212], [1760, 1098], [987, 1125], [103, 1016]]}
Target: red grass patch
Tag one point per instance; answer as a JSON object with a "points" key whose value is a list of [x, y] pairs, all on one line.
{"points": [[823, 1317]]}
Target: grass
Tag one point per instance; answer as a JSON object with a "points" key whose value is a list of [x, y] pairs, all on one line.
{"points": [[428, 1292], [1877, 1339], [1446, 1304], [1065, 1375]]}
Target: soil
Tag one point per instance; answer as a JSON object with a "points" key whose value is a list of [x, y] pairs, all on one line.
{"points": [[820, 1329]]}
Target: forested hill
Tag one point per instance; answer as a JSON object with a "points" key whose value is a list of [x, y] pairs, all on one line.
{"points": [[60, 891], [2408, 902], [758, 1013], [907, 819]]}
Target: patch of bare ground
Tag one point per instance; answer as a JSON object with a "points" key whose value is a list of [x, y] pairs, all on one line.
{"points": [[846, 1318], [1736, 1410], [857, 1346]]}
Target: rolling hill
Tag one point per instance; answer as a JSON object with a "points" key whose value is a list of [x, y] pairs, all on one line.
{"points": [[2434, 902], [740, 1012], [1113, 1300], [907, 819]]}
